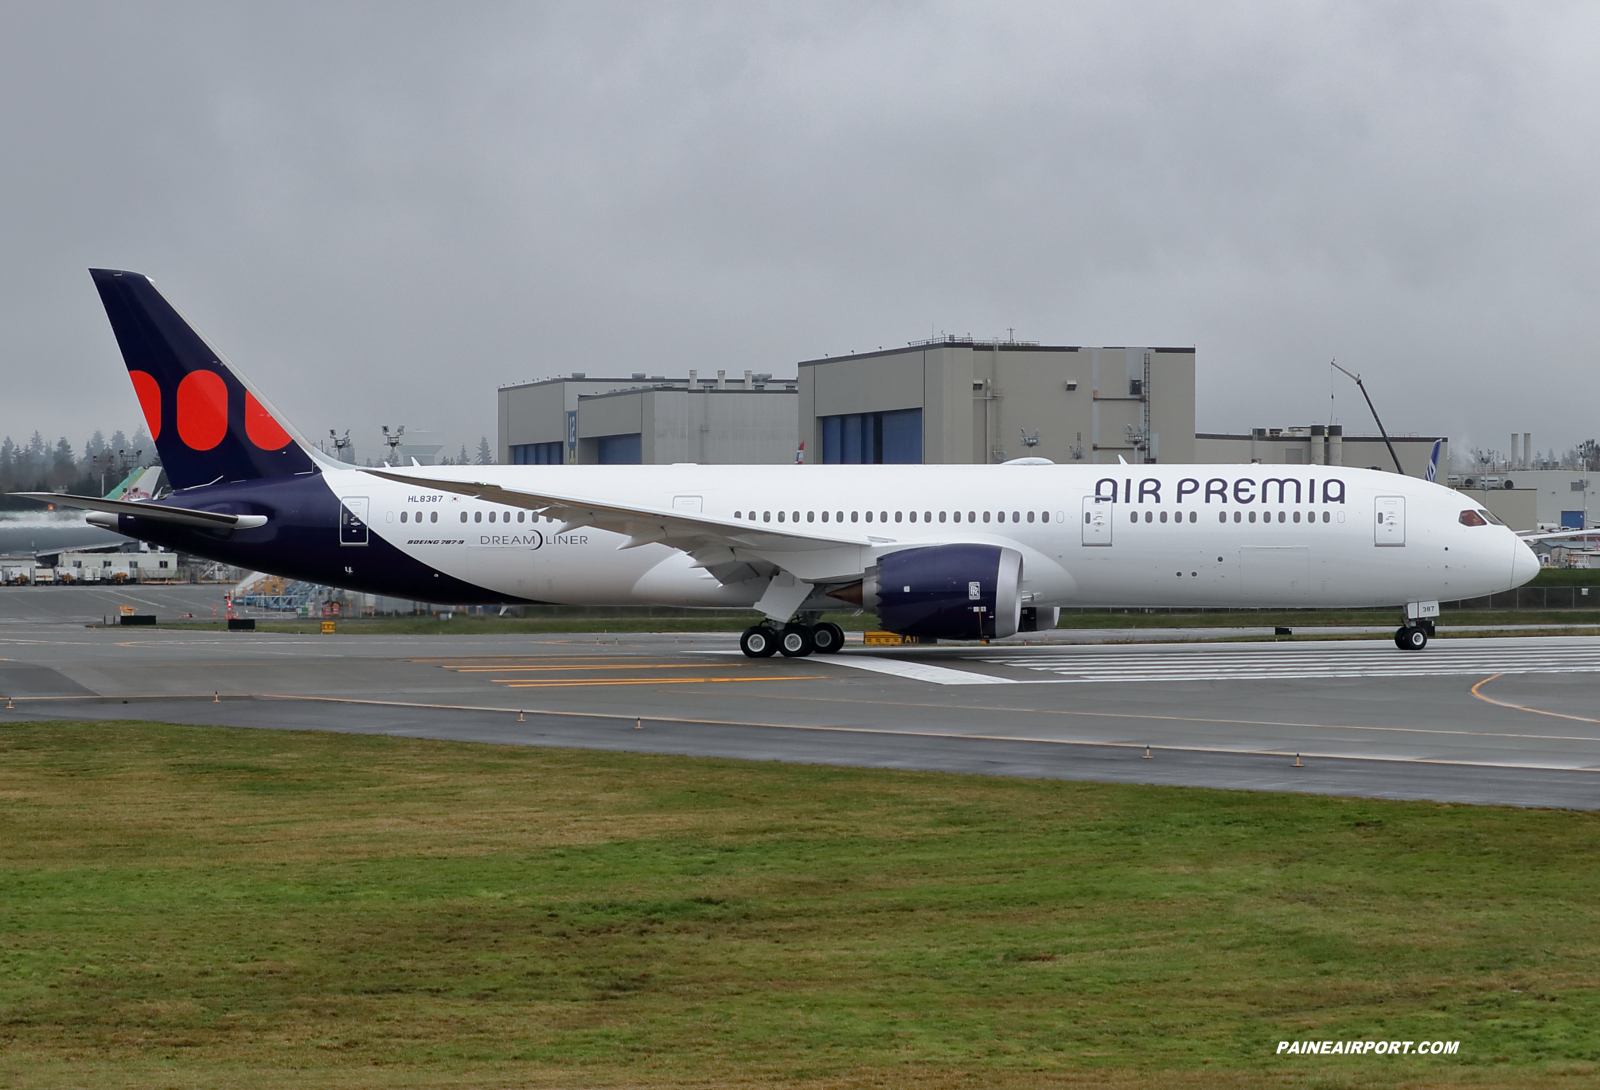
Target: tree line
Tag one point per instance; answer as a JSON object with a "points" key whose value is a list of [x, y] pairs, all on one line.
{"points": [[41, 466]]}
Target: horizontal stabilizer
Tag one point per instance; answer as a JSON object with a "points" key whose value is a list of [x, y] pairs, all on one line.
{"points": [[152, 512]]}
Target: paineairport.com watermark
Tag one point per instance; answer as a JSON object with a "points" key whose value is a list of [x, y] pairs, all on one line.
{"points": [[1368, 1048]]}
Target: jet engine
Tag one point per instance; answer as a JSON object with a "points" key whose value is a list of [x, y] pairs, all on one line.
{"points": [[953, 592]]}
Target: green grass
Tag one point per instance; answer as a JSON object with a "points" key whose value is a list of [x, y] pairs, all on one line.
{"points": [[206, 907]]}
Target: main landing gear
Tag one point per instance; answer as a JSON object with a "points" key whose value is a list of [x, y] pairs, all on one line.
{"points": [[792, 640], [1414, 635]]}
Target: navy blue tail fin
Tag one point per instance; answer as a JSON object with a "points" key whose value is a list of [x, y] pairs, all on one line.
{"points": [[207, 422]]}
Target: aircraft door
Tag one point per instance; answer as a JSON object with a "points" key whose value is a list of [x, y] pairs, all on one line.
{"points": [[1389, 526], [687, 504], [1097, 519], [353, 520]]}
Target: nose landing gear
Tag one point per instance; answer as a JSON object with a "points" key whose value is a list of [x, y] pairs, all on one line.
{"points": [[1413, 636]]}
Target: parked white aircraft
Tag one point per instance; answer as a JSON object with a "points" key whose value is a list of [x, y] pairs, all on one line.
{"points": [[936, 551]]}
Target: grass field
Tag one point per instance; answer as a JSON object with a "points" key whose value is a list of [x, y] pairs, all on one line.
{"points": [[206, 907]]}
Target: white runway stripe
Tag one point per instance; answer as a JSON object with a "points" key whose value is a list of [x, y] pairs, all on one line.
{"points": [[1290, 661], [917, 671]]}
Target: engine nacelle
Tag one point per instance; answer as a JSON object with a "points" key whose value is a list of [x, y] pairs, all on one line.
{"points": [[953, 592]]}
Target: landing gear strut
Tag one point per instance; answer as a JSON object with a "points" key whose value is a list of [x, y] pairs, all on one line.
{"points": [[793, 640]]}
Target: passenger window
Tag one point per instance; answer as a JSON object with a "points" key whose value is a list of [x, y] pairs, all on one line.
{"points": [[521, 516], [1325, 516], [736, 514], [955, 516], [883, 516], [824, 516], [491, 516], [1163, 516], [811, 516], [780, 516], [766, 516], [1133, 516], [869, 516], [795, 517], [986, 516], [433, 516], [941, 516], [897, 516], [913, 516], [403, 515], [1149, 516], [1194, 516], [999, 516], [855, 516], [1044, 516], [1222, 516], [463, 516], [972, 516], [1018, 518], [1297, 516], [1468, 518], [1030, 516], [477, 516], [1252, 516], [1283, 516], [838, 516]]}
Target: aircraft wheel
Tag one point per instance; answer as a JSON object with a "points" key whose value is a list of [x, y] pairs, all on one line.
{"points": [[1412, 639], [795, 641], [827, 638], [758, 642]]}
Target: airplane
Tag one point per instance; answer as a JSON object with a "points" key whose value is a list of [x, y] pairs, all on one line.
{"points": [[958, 552]]}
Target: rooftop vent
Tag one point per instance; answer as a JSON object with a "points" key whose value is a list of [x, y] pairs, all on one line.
{"points": [[580, 374]]}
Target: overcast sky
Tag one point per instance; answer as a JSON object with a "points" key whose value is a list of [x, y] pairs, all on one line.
{"points": [[381, 212]]}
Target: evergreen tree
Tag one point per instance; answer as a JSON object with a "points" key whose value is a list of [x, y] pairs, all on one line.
{"points": [[144, 448], [485, 452], [119, 442], [463, 460], [95, 446]]}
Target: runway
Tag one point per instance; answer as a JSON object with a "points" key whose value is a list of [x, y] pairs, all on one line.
{"points": [[1512, 721]]}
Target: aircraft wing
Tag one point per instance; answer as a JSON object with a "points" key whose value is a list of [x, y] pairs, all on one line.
{"points": [[1546, 536], [731, 550], [153, 512]]}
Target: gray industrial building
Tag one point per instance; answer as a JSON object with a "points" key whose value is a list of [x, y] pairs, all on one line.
{"points": [[959, 400], [1321, 445], [648, 420]]}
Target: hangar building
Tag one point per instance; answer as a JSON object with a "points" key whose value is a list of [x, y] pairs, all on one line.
{"points": [[650, 421], [958, 400]]}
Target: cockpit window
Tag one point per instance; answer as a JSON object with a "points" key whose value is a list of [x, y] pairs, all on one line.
{"points": [[1470, 517], [1490, 515]]}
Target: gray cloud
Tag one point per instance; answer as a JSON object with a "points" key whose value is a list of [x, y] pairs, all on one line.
{"points": [[382, 211]]}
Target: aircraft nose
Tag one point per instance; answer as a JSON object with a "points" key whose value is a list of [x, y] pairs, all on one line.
{"points": [[1524, 564]]}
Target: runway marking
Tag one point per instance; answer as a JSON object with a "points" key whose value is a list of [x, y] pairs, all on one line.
{"points": [[1327, 661], [516, 683], [1523, 708], [918, 671], [575, 669]]}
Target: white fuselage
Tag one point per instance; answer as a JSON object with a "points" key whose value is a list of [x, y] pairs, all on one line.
{"points": [[1124, 535]]}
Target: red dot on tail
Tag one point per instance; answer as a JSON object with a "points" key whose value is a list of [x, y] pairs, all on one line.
{"points": [[202, 409], [149, 391], [263, 431]]}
